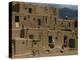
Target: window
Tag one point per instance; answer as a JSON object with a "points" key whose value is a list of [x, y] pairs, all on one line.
{"points": [[24, 18], [75, 24], [30, 10], [22, 32], [15, 8], [55, 20], [56, 38], [54, 12], [65, 41], [39, 22], [50, 39], [17, 21], [16, 18], [31, 36], [71, 43], [69, 24]]}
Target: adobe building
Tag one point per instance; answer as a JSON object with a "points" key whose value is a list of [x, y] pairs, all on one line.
{"points": [[38, 31]]}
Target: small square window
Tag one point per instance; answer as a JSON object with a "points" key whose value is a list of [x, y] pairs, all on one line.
{"points": [[31, 36], [16, 7], [24, 18], [16, 18]]}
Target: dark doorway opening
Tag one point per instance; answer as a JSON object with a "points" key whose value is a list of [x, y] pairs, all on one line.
{"points": [[65, 41], [76, 24], [39, 22], [71, 43], [51, 45], [50, 39], [30, 10]]}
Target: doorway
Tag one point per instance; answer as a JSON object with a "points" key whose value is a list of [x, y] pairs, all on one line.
{"points": [[71, 43], [65, 41], [50, 42]]}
